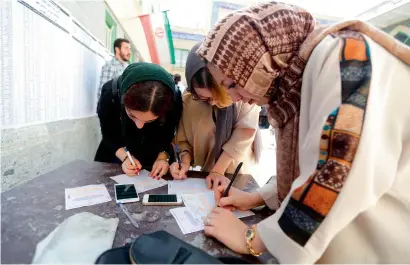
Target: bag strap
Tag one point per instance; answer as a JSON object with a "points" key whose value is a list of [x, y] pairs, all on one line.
{"points": [[114, 89]]}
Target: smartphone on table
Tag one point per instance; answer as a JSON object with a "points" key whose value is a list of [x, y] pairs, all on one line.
{"points": [[125, 193], [162, 199]]}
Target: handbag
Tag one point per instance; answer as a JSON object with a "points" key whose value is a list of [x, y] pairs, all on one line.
{"points": [[161, 248]]}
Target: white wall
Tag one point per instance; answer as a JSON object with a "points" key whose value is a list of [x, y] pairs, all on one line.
{"points": [[91, 14], [50, 69]]}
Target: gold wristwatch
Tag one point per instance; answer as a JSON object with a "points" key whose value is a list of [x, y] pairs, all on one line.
{"points": [[250, 235]]}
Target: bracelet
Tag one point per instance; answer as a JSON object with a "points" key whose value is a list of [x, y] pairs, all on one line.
{"points": [[167, 156], [249, 236], [216, 173], [125, 159]]}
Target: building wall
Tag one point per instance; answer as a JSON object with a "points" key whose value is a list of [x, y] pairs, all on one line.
{"points": [[222, 8], [48, 99], [120, 31], [184, 39], [392, 28], [91, 14], [31, 151], [400, 31]]}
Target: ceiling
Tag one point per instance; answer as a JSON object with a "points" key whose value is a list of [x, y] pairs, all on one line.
{"points": [[395, 15]]}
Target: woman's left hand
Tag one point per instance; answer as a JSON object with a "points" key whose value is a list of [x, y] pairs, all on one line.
{"points": [[214, 180], [224, 226], [159, 169]]}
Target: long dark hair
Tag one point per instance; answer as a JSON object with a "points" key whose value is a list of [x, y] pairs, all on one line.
{"points": [[151, 96]]}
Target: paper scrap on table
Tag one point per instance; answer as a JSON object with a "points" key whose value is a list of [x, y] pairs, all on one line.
{"points": [[86, 196], [201, 204], [186, 220], [187, 186], [142, 182], [80, 239], [197, 207]]}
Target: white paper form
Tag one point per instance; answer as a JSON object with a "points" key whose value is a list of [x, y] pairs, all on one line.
{"points": [[186, 220], [86, 196], [187, 186], [142, 182], [201, 204]]}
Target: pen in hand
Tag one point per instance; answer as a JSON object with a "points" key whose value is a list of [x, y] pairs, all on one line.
{"points": [[132, 160], [226, 192], [176, 156]]}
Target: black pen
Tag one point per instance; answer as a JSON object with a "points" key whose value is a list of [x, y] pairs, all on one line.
{"points": [[232, 180], [176, 156]]}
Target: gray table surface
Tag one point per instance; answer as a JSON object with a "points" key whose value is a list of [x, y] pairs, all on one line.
{"points": [[31, 211]]}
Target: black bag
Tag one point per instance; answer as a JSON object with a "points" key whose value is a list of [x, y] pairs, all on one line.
{"points": [[161, 248], [113, 90]]}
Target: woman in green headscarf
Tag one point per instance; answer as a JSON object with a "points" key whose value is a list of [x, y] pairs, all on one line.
{"points": [[142, 118]]}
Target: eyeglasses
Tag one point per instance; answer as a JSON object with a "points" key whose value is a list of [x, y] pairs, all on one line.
{"points": [[232, 85], [195, 96], [198, 98]]}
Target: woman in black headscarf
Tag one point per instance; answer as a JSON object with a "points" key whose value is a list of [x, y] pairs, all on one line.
{"points": [[142, 117]]}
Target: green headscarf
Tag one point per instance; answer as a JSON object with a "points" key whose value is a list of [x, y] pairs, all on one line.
{"points": [[140, 72]]}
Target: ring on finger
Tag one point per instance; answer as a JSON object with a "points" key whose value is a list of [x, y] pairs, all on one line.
{"points": [[208, 221]]}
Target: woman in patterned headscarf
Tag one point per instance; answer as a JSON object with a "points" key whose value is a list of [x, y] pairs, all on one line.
{"points": [[335, 200]]}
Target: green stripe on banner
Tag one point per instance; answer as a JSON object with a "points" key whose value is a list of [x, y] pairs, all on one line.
{"points": [[167, 27]]}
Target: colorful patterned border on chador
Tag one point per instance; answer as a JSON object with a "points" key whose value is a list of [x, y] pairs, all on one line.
{"points": [[310, 203]]}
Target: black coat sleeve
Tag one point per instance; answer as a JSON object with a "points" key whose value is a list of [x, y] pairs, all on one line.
{"points": [[109, 113]]}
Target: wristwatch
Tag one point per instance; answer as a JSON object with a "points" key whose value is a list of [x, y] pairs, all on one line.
{"points": [[249, 236]]}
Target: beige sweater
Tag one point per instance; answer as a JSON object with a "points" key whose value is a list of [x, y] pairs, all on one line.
{"points": [[196, 134]]}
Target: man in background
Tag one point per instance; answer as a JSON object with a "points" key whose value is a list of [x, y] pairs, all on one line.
{"points": [[115, 67], [178, 83]]}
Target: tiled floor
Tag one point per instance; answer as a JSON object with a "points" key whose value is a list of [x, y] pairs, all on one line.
{"points": [[267, 164]]}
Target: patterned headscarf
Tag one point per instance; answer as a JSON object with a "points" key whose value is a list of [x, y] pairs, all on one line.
{"points": [[258, 47], [264, 48]]}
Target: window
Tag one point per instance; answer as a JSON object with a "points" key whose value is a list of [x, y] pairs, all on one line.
{"points": [[110, 31], [108, 38], [401, 36], [180, 57]]}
